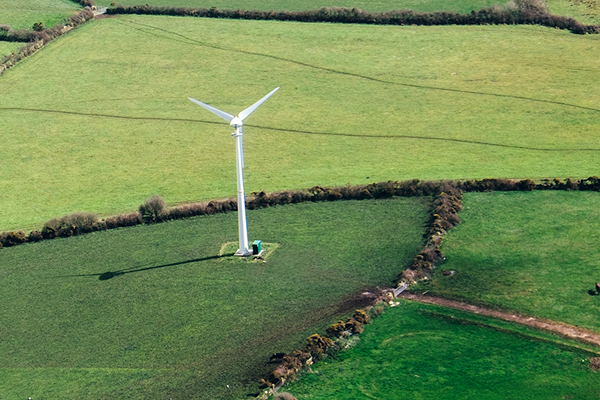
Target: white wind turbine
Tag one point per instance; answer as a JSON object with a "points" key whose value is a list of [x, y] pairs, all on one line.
{"points": [[237, 122]]}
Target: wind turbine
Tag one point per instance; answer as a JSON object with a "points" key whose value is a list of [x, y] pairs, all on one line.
{"points": [[237, 122]]}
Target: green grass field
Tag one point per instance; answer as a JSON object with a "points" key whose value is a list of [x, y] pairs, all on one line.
{"points": [[23, 14], [584, 11], [535, 253], [293, 5], [150, 312], [422, 352], [426, 102], [7, 48]]}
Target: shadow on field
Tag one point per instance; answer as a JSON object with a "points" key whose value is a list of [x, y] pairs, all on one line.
{"points": [[104, 276]]}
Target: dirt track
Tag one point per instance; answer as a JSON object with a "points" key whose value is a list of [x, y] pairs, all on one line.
{"points": [[569, 331]]}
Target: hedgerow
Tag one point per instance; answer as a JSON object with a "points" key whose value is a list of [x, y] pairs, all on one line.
{"points": [[446, 204], [521, 12], [36, 40]]}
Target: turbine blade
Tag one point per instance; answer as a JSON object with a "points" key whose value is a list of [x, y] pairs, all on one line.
{"points": [[253, 107], [216, 111]]}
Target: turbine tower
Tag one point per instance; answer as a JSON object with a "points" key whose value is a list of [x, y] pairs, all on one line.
{"points": [[237, 122]]}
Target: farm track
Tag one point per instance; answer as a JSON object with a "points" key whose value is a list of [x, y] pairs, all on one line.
{"points": [[566, 330]]}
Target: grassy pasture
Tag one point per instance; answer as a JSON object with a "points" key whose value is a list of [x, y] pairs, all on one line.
{"points": [[294, 5], [173, 320], [23, 14], [7, 48], [535, 253], [422, 352], [357, 104], [584, 11]]}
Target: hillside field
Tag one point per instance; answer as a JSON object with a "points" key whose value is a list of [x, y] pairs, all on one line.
{"points": [[536, 253], [153, 312], [7, 48], [23, 14], [428, 102]]}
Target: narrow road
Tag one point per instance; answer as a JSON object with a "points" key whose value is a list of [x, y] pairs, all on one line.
{"points": [[566, 330]]}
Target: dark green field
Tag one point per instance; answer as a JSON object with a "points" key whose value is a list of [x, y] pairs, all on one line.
{"points": [[151, 312], [422, 352]]}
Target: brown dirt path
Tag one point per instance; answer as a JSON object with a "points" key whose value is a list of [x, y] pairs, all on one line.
{"points": [[569, 331]]}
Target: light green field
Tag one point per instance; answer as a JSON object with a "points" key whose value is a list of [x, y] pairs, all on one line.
{"points": [[584, 11], [23, 14], [293, 5], [173, 320], [357, 104], [422, 352], [535, 253], [7, 48]]}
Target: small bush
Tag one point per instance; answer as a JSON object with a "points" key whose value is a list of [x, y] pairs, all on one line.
{"points": [[153, 210], [71, 225], [12, 238], [317, 345], [123, 220], [361, 316], [353, 326], [38, 26], [34, 236], [336, 329]]}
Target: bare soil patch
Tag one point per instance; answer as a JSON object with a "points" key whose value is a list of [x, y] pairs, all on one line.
{"points": [[566, 330]]}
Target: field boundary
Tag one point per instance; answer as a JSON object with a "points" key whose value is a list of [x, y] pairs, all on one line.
{"points": [[486, 16], [37, 40]]}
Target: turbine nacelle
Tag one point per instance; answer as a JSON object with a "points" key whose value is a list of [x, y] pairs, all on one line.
{"points": [[236, 122]]}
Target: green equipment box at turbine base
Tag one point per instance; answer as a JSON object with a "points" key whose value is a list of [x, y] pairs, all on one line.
{"points": [[256, 247]]}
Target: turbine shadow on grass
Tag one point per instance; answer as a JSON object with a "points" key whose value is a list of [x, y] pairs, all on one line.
{"points": [[104, 276]]}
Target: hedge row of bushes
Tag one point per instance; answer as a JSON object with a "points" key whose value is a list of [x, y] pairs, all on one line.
{"points": [[316, 347], [37, 39], [85, 3], [154, 209], [444, 217], [520, 14]]}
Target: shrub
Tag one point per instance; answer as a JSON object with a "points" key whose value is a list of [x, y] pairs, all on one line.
{"points": [[72, 224], [34, 236], [12, 238], [316, 345], [123, 220], [38, 26], [361, 316], [153, 209], [528, 6], [4, 29], [336, 329], [353, 326], [526, 185]]}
